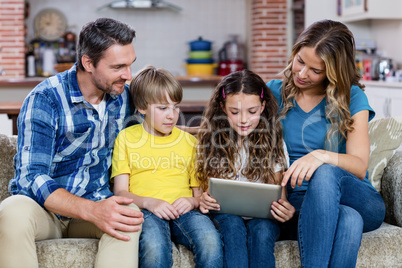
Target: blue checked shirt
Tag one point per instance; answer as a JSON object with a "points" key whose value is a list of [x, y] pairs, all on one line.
{"points": [[62, 142]]}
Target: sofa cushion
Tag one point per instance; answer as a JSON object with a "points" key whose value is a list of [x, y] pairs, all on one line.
{"points": [[385, 137], [381, 247], [81, 252], [7, 152], [74, 252]]}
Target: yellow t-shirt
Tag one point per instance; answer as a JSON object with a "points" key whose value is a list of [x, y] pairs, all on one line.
{"points": [[159, 167]]}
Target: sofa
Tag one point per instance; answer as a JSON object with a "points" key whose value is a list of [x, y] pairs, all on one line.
{"points": [[379, 248]]}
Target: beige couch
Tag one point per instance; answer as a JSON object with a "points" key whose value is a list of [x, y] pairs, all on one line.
{"points": [[380, 248]]}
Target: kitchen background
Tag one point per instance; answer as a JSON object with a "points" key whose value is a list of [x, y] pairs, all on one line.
{"points": [[266, 30], [163, 34]]}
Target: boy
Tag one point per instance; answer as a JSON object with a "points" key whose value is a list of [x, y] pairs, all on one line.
{"points": [[153, 164]]}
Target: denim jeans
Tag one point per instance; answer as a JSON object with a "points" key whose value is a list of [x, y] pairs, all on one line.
{"points": [[331, 217], [194, 230], [247, 243]]}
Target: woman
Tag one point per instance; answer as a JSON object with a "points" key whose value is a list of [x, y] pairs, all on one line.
{"points": [[325, 116]]}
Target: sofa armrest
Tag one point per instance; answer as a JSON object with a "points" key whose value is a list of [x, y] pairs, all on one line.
{"points": [[391, 190], [8, 148]]}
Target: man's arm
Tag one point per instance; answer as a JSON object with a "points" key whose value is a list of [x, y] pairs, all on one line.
{"points": [[109, 215], [34, 161]]}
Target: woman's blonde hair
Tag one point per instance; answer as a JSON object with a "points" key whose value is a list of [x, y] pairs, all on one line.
{"points": [[217, 150], [335, 45], [150, 86]]}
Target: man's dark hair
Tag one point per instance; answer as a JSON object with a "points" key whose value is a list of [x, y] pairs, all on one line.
{"points": [[97, 36]]}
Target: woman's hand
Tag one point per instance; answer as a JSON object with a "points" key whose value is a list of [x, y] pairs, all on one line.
{"points": [[207, 203], [282, 210], [304, 168]]}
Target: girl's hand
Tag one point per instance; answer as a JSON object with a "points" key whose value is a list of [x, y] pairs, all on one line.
{"points": [[282, 210], [207, 203], [184, 204], [162, 209], [304, 168]]}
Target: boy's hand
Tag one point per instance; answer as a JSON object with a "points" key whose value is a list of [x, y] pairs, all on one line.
{"points": [[162, 209], [282, 210], [184, 204], [207, 203]]}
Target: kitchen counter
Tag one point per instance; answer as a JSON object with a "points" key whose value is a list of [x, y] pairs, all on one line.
{"points": [[194, 88], [196, 92], [384, 97], [211, 80], [372, 83], [191, 112], [21, 82]]}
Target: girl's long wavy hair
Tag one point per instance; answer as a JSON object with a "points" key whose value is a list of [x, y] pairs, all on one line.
{"points": [[335, 45], [217, 151]]}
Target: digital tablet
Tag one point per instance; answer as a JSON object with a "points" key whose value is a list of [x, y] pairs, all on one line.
{"points": [[245, 199]]}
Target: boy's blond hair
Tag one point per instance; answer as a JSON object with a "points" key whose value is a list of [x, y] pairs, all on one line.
{"points": [[150, 86]]}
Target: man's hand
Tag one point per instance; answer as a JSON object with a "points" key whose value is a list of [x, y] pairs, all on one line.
{"points": [[110, 215], [113, 217]]}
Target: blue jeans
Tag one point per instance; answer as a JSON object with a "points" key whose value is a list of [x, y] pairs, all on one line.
{"points": [[194, 230], [331, 217], [247, 243]]}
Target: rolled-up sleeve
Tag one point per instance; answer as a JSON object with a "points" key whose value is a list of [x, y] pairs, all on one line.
{"points": [[36, 142]]}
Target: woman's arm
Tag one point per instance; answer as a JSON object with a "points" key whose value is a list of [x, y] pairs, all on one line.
{"points": [[158, 207], [354, 161], [357, 155]]}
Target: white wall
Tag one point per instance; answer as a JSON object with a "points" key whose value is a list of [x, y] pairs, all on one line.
{"points": [[162, 35], [386, 32], [318, 10]]}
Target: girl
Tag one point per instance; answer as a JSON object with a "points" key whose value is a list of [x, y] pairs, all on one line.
{"points": [[240, 139], [325, 123]]}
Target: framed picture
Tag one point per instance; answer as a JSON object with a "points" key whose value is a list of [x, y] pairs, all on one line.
{"points": [[351, 7]]}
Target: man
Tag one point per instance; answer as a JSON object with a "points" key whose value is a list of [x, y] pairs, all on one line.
{"points": [[67, 126]]}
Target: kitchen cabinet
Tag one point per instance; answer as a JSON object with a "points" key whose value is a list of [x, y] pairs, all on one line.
{"points": [[384, 9], [385, 98]]}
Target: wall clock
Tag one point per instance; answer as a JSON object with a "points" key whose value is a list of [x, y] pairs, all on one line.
{"points": [[50, 24]]}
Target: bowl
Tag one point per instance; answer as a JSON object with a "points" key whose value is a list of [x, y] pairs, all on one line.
{"points": [[201, 69], [200, 54], [192, 61]]}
